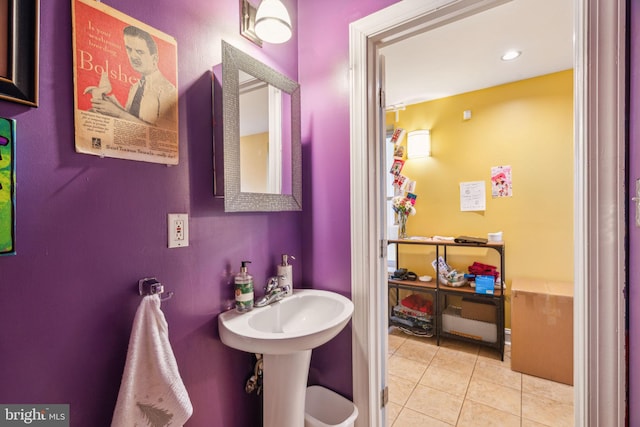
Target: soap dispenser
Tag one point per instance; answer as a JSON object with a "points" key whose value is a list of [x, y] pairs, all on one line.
{"points": [[244, 289], [285, 274]]}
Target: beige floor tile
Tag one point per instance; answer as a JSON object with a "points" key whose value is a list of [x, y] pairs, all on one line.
{"points": [[460, 346], [463, 385], [395, 341], [455, 353], [429, 340], [393, 330], [396, 331], [399, 389], [454, 361], [497, 396], [409, 418], [497, 374], [546, 411], [507, 349], [529, 423], [493, 355], [393, 409], [406, 368], [478, 415], [416, 350], [552, 390], [435, 403], [442, 379]]}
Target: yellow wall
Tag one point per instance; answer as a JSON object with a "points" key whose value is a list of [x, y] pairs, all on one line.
{"points": [[254, 162], [527, 125]]}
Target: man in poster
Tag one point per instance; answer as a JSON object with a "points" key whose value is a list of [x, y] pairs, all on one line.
{"points": [[125, 75], [152, 98]]}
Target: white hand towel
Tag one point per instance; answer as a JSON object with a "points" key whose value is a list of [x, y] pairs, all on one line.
{"points": [[151, 392]]}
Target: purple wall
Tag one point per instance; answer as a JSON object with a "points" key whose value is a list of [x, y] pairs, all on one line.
{"points": [[89, 228], [324, 78], [634, 231]]}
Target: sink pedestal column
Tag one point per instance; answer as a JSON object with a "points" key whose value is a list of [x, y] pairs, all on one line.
{"points": [[284, 382]]}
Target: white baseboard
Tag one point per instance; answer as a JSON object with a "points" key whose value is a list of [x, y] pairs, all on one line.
{"points": [[507, 336]]}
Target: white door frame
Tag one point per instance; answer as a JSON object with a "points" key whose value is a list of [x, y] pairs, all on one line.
{"points": [[599, 201]]}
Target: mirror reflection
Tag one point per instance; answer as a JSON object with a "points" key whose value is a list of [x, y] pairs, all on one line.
{"points": [[265, 143], [261, 136]]}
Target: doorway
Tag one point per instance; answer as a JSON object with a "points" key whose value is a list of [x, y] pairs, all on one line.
{"points": [[520, 114], [599, 252]]}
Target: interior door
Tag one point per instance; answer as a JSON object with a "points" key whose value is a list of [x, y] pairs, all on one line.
{"points": [[633, 218], [383, 327]]}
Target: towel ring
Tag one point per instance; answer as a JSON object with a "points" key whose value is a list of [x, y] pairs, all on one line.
{"points": [[151, 286]]}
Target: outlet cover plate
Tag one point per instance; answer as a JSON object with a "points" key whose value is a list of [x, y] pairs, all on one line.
{"points": [[178, 230]]}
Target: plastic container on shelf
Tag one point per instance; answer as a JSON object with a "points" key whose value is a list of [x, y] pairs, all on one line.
{"points": [[454, 281], [495, 237], [326, 408]]}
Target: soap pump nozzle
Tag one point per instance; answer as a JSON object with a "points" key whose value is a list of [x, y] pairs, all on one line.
{"points": [[285, 274], [285, 259], [243, 266]]}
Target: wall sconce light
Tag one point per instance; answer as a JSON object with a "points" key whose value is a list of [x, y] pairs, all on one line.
{"points": [[270, 22], [419, 144]]}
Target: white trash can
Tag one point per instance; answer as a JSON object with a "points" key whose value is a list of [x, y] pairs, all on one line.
{"points": [[326, 408]]}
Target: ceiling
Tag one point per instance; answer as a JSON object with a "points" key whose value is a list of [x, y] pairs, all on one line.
{"points": [[465, 55]]}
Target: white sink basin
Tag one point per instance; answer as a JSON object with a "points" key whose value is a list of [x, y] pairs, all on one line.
{"points": [[285, 332], [302, 321]]}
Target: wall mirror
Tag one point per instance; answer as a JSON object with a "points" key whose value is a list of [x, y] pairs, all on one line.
{"points": [[261, 136]]}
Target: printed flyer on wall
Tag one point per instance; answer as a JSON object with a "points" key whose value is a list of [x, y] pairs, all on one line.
{"points": [[501, 184], [472, 196], [125, 80]]}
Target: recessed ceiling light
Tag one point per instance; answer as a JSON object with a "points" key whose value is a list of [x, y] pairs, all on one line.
{"points": [[510, 55]]}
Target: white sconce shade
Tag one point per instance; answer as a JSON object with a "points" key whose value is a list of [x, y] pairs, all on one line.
{"points": [[273, 24], [419, 144]]}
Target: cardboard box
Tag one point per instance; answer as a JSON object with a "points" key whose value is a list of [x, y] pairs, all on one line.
{"points": [[478, 310], [542, 329], [454, 323]]}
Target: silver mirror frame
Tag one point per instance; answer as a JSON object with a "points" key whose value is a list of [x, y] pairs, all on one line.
{"points": [[233, 61]]}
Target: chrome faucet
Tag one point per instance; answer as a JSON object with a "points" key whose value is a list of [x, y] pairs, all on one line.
{"points": [[273, 292]]}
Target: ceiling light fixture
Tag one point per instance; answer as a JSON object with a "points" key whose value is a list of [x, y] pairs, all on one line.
{"points": [[273, 24], [510, 55]]}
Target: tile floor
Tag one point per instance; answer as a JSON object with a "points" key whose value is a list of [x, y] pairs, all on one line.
{"points": [[464, 385]]}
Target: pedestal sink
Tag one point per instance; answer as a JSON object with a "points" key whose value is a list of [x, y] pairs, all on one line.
{"points": [[285, 332]]}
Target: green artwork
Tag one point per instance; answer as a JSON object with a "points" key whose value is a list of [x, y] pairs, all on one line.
{"points": [[7, 186]]}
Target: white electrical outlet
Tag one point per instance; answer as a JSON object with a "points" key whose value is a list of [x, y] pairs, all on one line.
{"points": [[178, 230]]}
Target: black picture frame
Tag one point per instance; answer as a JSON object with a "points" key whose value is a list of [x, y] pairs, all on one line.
{"points": [[21, 82]]}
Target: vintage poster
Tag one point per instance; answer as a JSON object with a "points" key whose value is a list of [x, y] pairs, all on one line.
{"points": [[7, 186], [125, 86], [501, 185]]}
